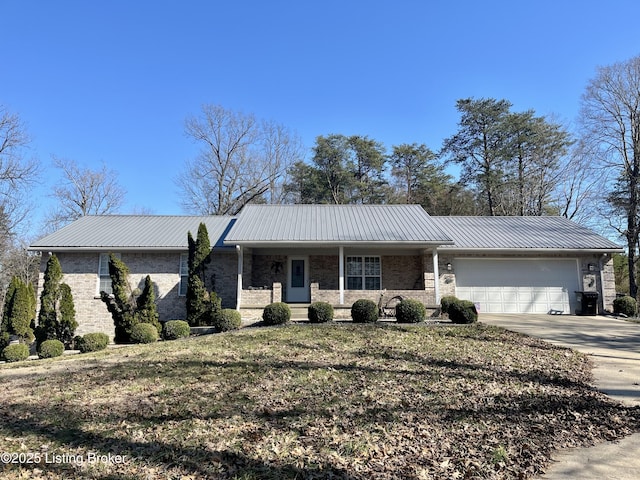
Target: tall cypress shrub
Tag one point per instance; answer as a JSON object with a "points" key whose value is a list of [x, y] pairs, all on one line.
{"points": [[147, 311], [199, 309], [120, 303], [17, 311], [68, 324], [48, 316], [57, 317], [4, 324], [126, 310]]}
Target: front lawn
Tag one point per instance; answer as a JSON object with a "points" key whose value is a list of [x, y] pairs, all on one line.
{"points": [[304, 401]]}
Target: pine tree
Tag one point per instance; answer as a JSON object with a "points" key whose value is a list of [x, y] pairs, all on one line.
{"points": [[147, 312]]}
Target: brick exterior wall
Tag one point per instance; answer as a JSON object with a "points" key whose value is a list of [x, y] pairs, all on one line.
{"points": [[324, 270], [266, 270], [408, 275], [80, 272], [401, 275]]}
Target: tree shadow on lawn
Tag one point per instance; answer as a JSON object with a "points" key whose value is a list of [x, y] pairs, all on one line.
{"points": [[163, 458], [509, 421], [543, 415]]}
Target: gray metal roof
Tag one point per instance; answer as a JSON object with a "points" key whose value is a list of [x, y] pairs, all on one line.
{"points": [[138, 232], [326, 224], [532, 233], [335, 224]]}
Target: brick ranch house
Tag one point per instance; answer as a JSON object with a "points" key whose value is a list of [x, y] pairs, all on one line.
{"points": [[338, 253]]}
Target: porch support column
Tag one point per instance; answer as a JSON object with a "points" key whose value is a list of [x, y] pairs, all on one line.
{"points": [[239, 284], [436, 275], [341, 269]]}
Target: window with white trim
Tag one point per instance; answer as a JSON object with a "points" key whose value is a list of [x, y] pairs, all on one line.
{"points": [[104, 282], [364, 273], [184, 274]]}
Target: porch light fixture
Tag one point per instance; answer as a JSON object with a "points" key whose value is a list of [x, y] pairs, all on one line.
{"points": [[591, 267], [448, 267]]}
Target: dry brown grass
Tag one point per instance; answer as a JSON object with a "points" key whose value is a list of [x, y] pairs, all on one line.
{"points": [[303, 401]]}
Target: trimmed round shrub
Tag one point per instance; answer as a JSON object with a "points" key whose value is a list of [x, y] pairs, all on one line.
{"points": [[174, 329], [445, 302], [277, 313], [625, 305], [227, 319], [92, 342], [364, 311], [144, 333], [15, 352], [320, 312], [50, 348], [410, 311], [463, 311]]}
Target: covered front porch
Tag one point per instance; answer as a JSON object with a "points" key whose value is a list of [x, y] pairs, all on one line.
{"points": [[301, 254], [336, 275]]}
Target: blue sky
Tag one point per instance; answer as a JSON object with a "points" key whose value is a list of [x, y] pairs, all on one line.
{"points": [[112, 82]]}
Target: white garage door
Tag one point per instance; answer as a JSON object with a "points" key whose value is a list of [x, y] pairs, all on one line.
{"points": [[518, 286]]}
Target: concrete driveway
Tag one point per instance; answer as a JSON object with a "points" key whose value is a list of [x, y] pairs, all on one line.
{"points": [[614, 346]]}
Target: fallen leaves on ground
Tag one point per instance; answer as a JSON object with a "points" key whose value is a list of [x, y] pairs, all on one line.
{"points": [[309, 401]]}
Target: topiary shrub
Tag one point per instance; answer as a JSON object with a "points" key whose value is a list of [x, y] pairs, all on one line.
{"points": [[364, 311], [174, 329], [445, 302], [147, 311], [50, 348], [18, 312], [227, 319], [277, 313], [625, 305], [463, 311], [15, 352], [144, 333], [92, 342], [320, 312], [410, 311]]}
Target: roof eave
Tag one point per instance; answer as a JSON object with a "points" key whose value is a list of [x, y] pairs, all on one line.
{"points": [[336, 243], [531, 250], [119, 248]]}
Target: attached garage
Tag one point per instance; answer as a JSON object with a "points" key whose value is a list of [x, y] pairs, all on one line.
{"points": [[503, 285]]}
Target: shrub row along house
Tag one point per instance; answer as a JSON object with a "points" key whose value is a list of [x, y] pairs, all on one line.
{"points": [[339, 253]]}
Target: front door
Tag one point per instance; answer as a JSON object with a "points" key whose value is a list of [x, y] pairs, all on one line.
{"points": [[298, 280]]}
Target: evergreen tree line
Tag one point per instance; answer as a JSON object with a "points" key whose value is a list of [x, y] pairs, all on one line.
{"points": [[511, 163]]}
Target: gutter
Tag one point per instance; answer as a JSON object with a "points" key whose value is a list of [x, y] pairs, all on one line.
{"points": [[554, 251]]}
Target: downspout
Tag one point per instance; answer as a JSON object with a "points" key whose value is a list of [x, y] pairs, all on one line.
{"points": [[239, 281], [601, 263], [436, 275], [341, 272]]}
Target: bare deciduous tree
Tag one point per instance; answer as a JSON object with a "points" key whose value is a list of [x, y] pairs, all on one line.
{"points": [[83, 191], [579, 190], [17, 173], [610, 121], [242, 160]]}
